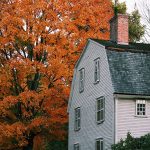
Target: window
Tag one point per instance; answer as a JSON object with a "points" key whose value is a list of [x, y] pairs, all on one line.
{"points": [[97, 70], [99, 144], [81, 80], [100, 109], [77, 118], [76, 146], [140, 107]]}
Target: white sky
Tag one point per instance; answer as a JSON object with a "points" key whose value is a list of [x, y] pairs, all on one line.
{"points": [[130, 4]]}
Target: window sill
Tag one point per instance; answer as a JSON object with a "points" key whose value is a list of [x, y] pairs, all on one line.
{"points": [[81, 91], [76, 130], [96, 82], [99, 122], [139, 116]]}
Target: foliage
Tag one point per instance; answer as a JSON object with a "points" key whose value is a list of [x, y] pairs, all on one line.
{"points": [[57, 145], [136, 29], [39, 43], [131, 143], [120, 8]]}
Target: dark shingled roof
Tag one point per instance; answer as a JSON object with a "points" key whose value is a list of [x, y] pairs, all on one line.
{"points": [[132, 46], [129, 68]]}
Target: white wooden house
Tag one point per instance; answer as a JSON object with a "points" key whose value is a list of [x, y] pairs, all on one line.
{"points": [[110, 93]]}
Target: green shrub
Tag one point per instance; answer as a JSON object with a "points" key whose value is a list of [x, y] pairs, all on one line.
{"points": [[131, 143]]}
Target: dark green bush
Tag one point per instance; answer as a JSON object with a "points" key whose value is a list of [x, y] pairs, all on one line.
{"points": [[131, 143]]}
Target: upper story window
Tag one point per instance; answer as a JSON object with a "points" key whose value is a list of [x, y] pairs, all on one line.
{"points": [[140, 107], [99, 145], [77, 119], [76, 146], [100, 109], [97, 70], [81, 80]]}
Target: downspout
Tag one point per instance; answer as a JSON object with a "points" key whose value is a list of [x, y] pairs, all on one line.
{"points": [[115, 118]]}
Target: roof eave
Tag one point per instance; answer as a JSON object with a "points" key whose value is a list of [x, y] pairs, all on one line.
{"points": [[131, 96]]}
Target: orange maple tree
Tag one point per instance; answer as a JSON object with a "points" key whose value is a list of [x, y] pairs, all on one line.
{"points": [[40, 40]]}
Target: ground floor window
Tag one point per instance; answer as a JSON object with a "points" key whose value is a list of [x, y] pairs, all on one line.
{"points": [[99, 145], [140, 107]]}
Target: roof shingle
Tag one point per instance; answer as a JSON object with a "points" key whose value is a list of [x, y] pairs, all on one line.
{"points": [[130, 72]]}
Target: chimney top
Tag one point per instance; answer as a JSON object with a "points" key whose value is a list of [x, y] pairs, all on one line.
{"points": [[119, 29]]}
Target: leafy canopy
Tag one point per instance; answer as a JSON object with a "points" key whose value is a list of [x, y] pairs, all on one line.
{"points": [[39, 43], [136, 29]]}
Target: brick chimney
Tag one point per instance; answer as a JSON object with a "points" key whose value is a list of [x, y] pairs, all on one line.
{"points": [[119, 29]]}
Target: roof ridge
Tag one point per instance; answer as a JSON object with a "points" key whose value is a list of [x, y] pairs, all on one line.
{"points": [[135, 47]]}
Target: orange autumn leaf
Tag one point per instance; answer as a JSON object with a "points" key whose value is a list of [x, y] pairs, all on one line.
{"points": [[40, 41]]}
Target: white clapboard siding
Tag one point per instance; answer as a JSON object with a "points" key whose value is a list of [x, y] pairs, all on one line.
{"points": [[127, 121], [90, 131]]}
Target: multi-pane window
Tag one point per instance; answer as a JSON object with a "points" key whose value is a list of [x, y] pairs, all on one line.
{"points": [[81, 80], [99, 145], [77, 118], [76, 146], [100, 109], [140, 107], [97, 70]]}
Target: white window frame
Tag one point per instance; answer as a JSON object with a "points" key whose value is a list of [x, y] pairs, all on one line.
{"points": [[101, 144], [96, 70], [140, 108], [77, 119], [100, 110], [81, 79], [76, 146]]}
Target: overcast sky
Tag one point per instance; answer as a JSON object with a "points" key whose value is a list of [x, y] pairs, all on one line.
{"points": [[130, 4]]}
